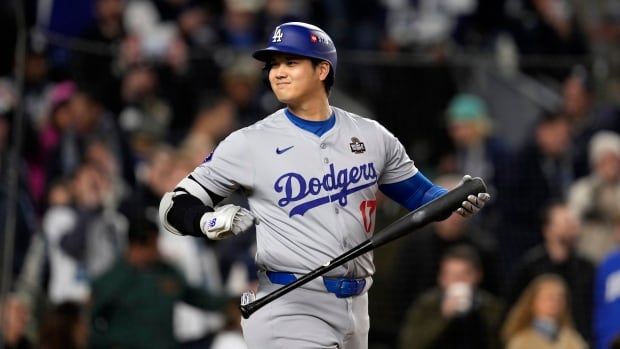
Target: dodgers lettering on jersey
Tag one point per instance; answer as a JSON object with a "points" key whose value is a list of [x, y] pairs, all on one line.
{"points": [[296, 188], [314, 196]]}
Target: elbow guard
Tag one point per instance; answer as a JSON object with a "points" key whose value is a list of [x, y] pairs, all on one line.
{"points": [[165, 205], [180, 213]]}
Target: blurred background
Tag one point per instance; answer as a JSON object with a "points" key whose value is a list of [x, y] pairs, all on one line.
{"points": [[106, 104]]}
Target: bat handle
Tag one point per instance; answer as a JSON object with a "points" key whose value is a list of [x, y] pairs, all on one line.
{"points": [[247, 309]]}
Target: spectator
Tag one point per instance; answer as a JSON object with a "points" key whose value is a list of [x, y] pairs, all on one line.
{"points": [[84, 230], [418, 261], [100, 156], [541, 318], [34, 95], [215, 119], [231, 337], [477, 151], [37, 85], [56, 129], [145, 116], [193, 63], [93, 121], [153, 180], [560, 229], [196, 27], [98, 236], [15, 317], [587, 116], [542, 173], [547, 27], [601, 20], [100, 71], [596, 198], [240, 83], [132, 303], [607, 300], [457, 314], [89, 120], [67, 278], [65, 326], [424, 26], [282, 11], [239, 26]]}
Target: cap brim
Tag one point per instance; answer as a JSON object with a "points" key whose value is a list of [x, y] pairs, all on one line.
{"points": [[265, 54]]}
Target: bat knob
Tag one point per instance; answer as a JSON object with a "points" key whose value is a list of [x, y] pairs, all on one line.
{"points": [[246, 307], [245, 312]]}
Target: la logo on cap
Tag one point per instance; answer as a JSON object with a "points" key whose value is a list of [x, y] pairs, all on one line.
{"points": [[277, 35]]}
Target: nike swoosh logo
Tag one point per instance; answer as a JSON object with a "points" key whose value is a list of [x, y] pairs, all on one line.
{"points": [[280, 151]]}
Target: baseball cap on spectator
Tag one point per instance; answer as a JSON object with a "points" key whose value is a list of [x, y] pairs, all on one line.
{"points": [[465, 108], [604, 142], [60, 94]]}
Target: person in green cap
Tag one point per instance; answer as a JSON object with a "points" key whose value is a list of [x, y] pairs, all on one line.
{"points": [[476, 150]]}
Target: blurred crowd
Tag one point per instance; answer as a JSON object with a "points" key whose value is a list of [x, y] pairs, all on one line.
{"points": [[122, 98]]}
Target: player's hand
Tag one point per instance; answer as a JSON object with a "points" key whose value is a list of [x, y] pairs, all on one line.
{"points": [[226, 221], [474, 202]]}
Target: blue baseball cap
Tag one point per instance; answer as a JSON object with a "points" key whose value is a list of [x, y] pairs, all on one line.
{"points": [[301, 39]]}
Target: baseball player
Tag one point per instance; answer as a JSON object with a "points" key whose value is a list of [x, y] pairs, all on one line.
{"points": [[311, 172]]}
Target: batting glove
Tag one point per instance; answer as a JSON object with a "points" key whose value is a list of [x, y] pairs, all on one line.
{"points": [[474, 202], [226, 221]]}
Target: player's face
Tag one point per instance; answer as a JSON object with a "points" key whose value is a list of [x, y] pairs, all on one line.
{"points": [[294, 79]]}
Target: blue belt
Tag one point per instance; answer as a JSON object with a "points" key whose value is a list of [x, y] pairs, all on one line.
{"points": [[340, 286]]}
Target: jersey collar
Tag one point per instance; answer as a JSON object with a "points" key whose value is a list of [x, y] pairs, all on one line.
{"points": [[318, 128]]}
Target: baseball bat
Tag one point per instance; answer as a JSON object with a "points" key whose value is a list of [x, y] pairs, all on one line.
{"points": [[435, 210]]}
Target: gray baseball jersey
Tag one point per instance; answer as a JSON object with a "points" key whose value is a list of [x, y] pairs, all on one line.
{"points": [[314, 196]]}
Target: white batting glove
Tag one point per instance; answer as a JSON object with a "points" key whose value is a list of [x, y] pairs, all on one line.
{"points": [[474, 202], [226, 221]]}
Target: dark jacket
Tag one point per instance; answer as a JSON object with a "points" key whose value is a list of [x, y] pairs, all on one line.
{"points": [[426, 328]]}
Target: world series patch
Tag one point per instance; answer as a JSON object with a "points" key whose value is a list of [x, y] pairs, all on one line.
{"points": [[357, 147]]}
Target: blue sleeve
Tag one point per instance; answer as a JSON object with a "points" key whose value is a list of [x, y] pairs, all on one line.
{"points": [[412, 192]]}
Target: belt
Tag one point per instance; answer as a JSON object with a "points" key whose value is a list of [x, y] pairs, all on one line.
{"points": [[340, 286]]}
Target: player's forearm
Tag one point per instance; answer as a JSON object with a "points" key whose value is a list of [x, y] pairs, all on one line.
{"points": [[413, 192], [190, 210], [185, 214]]}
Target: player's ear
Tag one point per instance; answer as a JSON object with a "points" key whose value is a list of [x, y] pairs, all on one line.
{"points": [[323, 68]]}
